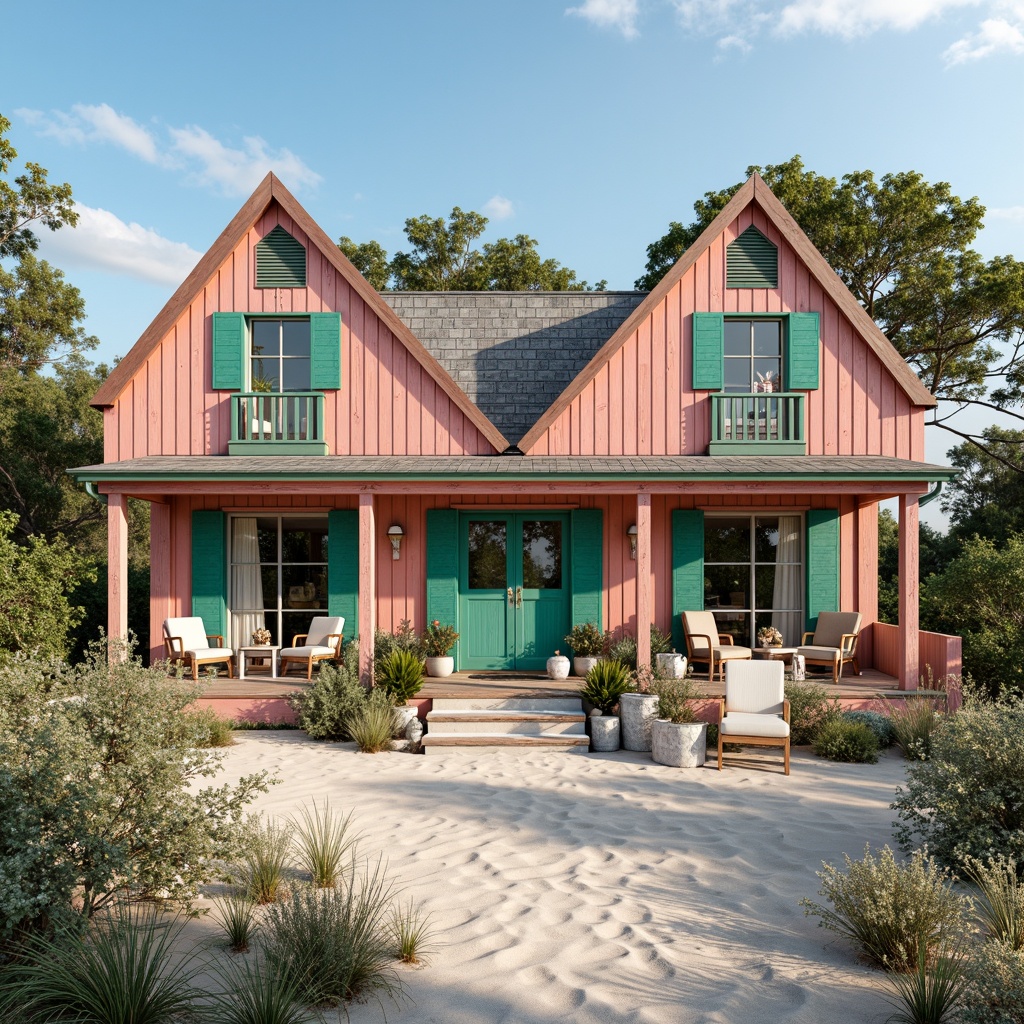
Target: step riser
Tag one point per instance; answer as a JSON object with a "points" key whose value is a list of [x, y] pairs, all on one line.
{"points": [[441, 751], [506, 728], [562, 704]]}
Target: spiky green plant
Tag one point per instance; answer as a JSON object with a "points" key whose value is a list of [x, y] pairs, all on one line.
{"points": [[267, 850], [400, 674], [412, 933], [372, 727], [605, 683], [931, 993], [1000, 903], [123, 972], [237, 915], [323, 838], [914, 719], [253, 993]]}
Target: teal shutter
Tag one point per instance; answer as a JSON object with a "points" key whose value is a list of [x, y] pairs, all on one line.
{"points": [[751, 261], [587, 554], [708, 351], [343, 568], [229, 351], [802, 352], [209, 571], [325, 351], [687, 569], [280, 261], [822, 563], [443, 567]]}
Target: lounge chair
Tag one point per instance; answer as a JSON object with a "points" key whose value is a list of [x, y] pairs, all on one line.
{"points": [[322, 643], [755, 711], [188, 643], [704, 643], [833, 642]]}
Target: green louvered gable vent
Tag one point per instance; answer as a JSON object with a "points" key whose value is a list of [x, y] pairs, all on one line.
{"points": [[752, 261], [280, 261]]}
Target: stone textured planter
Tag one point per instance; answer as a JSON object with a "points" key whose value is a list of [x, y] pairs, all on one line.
{"points": [[682, 745], [672, 666], [637, 712], [558, 667], [582, 665], [440, 667], [604, 732]]}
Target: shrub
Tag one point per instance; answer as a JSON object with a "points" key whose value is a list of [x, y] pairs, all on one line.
{"points": [[100, 793], [842, 740], [404, 639], [411, 930], [606, 682], [439, 640], [125, 970], [676, 699], [237, 915], [336, 944], [335, 695], [216, 731], [913, 719], [372, 727], [995, 985], [586, 640], [890, 910], [323, 839], [810, 707], [268, 847], [401, 675], [879, 724], [930, 994], [968, 799], [1000, 903], [623, 647]]}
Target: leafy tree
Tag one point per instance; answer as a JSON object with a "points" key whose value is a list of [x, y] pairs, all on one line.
{"points": [[935, 551], [514, 265], [370, 259], [901, 244]]}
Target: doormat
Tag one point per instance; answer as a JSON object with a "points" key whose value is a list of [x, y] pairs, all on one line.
{"points": [[504, 677]]}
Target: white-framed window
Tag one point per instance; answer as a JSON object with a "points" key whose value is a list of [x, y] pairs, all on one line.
{"points": [[279, 354], [754, 574], [753, 356]]}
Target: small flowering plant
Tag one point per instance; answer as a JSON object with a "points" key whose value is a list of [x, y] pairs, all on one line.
{"points": [[439, 640], [769, 636], [261, 637]]}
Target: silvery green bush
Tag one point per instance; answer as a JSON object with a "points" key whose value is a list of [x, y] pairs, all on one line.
{"points": [[967, 800], [99, 767]]}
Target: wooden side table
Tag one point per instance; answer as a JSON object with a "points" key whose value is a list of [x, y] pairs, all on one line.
{"points": [[255, 651], [771, 653]]}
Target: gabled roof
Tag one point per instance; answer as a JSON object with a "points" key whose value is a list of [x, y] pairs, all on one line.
{"points": [[753, 190], [513, 353], [268, 191]]}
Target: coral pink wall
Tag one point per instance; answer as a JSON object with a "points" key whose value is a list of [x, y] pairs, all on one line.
{"points": [[641, 402], [387, 404]]}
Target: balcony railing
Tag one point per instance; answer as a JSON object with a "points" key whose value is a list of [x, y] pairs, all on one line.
{"points": [[275, 423], [771, 423]]}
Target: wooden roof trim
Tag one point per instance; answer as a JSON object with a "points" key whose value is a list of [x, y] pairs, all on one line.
{"points": [[269, 190], [841, 295]]}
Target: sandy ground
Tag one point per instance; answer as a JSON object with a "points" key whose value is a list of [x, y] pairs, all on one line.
{"points": [[603, 887]]}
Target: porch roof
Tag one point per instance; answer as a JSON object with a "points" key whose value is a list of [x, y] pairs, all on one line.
{"points": [[546, 470]]}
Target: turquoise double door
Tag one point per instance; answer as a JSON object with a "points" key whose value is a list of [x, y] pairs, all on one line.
{"points": [[515, 588]]}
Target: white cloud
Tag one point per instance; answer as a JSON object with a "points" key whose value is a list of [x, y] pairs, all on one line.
{"points": [[1006, 213], [851, 18], [499, 208], [102, 241], [614, 14], [734, 43], [994, 35], [100, 123]]}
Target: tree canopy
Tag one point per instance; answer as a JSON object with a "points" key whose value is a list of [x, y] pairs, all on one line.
{"points": [[902, 246], [443, 257]]}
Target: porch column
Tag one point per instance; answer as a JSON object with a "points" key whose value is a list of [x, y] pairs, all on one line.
{"points": [[117, 566], [159, 576], [867, 579], [643, 580], [908, 627], [367, 588]]}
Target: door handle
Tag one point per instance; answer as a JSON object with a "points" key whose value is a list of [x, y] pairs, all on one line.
{"points": [[519, 597], [511, 599]]}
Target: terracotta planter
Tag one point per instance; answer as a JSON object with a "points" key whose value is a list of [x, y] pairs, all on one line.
{"points": [[582, 665], [604, 732], [679, 745], [440, 667]]}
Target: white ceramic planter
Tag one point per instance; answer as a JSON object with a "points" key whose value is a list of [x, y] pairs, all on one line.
{"points": [[581, 666], [682, 745], [637, 712], [671, 666], [440, 667], [604, 732], [558, 667]]}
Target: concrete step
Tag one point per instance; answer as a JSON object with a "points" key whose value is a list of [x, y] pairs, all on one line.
{"points": [[563, 704], [531, 723], [481, 742]]}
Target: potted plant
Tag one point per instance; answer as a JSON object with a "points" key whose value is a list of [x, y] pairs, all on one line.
{"points": [[400, 676], [587, 643], [606, 683], [678, 737], [438, 640], [637, 711]]}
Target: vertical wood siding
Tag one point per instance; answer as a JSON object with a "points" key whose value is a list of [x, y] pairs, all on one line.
{"points": [[642, 401], [387, 404]]}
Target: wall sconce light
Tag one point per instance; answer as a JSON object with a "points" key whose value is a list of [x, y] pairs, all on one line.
{"points": [[631, 534], [395, 535]]}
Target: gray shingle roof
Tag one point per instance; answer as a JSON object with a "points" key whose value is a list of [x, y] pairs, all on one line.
{"points": [[513, 353]]}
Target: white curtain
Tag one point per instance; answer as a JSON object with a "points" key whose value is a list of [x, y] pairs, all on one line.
{"points": [[788, 579], [246, 583]]}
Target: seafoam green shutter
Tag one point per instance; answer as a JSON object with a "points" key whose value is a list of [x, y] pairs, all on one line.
{"points": [[343, 568], [325, 351], [822, 563], [587, 553], [443, 566], [802, 352], [708, 350], [687, 568], [209, 571], [229, 351]]}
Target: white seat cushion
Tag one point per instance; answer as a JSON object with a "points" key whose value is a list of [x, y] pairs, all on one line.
{"points": [[738, 723], [306, 652], [819, 653], [726, 651], [205, 653]]}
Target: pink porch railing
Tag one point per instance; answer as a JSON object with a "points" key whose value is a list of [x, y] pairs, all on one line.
{"points": [[937, 652]]}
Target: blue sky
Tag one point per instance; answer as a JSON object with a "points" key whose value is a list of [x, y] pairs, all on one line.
{"points": [[587, 124]]}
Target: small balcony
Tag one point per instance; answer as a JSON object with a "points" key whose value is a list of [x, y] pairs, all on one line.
{"points": [[276, 423], [770, 423]]}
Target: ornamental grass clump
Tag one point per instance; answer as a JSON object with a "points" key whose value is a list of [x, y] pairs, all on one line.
{"points": [[254, 994], [605, 684], [400, 675], [889, 910], [265, 860], [999, 905], [842, 740], [914, 721], [372, 727], [810, 707], [412, 933], [323, 839], [932, 992], [237, 916]]}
